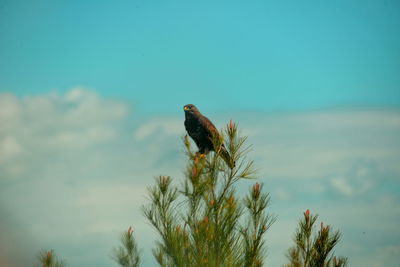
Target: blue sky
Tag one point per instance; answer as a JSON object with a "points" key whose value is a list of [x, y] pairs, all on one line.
{"points": [[263, 55], [91, 97]]}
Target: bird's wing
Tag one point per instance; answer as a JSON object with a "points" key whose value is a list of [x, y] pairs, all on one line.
{"points": [[213, 133], [208, 127]]}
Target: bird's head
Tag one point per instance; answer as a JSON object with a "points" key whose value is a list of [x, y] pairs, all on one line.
{"points": [[190, 108]]}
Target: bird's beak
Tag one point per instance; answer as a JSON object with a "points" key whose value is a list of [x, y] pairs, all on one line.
{"points": [[185, 108]]}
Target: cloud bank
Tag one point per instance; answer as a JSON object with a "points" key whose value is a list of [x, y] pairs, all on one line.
{"points": [[74, 170]]}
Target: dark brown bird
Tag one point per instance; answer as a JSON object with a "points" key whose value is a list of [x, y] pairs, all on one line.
{"points": [[203, 132]]}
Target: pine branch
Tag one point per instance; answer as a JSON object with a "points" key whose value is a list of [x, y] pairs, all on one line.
{"points": [[314, 250], [49, 259], [127, 255]]}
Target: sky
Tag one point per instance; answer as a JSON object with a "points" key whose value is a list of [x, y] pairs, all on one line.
{"points": [[91, 97]]}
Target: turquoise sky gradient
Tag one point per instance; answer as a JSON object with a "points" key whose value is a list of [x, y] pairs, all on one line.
{"points": [[257, 55], [91, 97]]}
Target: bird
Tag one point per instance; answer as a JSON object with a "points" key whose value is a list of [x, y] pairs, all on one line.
{"points": [[203, 133]]}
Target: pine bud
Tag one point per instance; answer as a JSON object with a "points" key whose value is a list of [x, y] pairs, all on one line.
{"points": [[307, 213], [164, 182], [194, 171], [256, 190], [212, 202], [130, 231], [231, 125]]}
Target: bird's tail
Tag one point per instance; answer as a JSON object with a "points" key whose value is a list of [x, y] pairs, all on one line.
{"points": [[226, 157]]}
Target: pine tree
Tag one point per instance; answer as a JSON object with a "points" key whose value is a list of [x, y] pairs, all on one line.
{"points": [[314, 250], [49, 259], [204, 222], [127, 254]]}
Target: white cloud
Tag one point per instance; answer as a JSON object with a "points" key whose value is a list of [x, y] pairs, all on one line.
{"points": [[8, 106], [341, 184], [9, 148], [282, 194], [160, 126], [358, 146], [41, 125]]}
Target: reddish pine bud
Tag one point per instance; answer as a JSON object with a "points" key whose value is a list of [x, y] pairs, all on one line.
{"points": [[212, 202], [49, 254], [307, 213], [335, 261], [256, 190], [130, 231], [205, 220], [194, 171], [231, 124]]}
